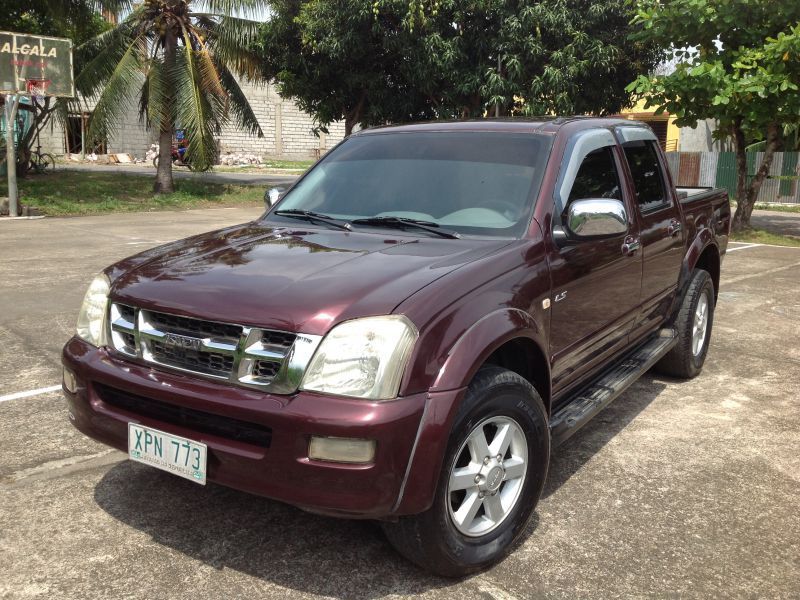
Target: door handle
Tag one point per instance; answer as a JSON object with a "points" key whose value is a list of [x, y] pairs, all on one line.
{"points": [[630, 246], [674, 227]]}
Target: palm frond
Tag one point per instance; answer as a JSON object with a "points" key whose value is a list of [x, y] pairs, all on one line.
{"points": [[239, 105], [97, 59], [116, 96], [231, 40], [195, 109], [154, 104], [245, 8]]}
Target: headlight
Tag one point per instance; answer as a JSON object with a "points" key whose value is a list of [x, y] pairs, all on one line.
{"points": [[363, 358], [92, 318]]}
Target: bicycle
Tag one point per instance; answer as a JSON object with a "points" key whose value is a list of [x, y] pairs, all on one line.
{"points": [[41, 162]]}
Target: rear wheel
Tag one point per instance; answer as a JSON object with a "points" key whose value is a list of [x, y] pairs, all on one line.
{"points": [[43, 163], [490, 481], [693, 324]]}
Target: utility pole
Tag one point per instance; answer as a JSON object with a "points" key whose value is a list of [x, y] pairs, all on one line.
{"points": [[12, 103]]}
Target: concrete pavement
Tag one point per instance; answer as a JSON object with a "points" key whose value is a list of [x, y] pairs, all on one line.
{"points": [[677, 489]]}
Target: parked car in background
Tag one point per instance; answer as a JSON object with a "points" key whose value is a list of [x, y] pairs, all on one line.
{"points": [[411, 329]]}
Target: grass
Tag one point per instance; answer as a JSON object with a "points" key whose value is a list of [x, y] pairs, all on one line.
{"points": [[779, 207], [84, 193], [759, 236], [284, 165]]}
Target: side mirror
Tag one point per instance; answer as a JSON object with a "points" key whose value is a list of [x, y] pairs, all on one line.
{"points": [[272, 195], [596, 217]]}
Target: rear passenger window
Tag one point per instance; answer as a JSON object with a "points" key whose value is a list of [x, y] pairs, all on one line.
{"points": [[597, 177], [646, 174]]}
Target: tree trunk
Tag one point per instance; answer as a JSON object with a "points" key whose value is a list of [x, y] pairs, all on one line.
{"points": [[164, 183], [353, 118], [747, 194]]}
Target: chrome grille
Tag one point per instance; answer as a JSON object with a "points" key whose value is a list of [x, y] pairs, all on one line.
{"points": [[266, 359]]}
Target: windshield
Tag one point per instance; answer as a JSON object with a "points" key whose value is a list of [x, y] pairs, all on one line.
{"points": [[475, 183]]}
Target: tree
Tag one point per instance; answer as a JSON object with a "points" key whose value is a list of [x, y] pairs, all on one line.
{"points": [[739, 64], [378, 61], [344, 60], [181, 60], [509, 57]]}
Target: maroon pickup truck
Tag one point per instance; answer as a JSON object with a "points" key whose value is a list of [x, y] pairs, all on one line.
{"points": [[410, 328]]}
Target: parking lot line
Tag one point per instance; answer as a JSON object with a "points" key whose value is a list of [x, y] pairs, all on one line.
{"points": [[743, 247], [29, 393]]}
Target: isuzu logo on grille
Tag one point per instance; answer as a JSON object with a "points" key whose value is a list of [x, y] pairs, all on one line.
{"points": [[182, 341]]}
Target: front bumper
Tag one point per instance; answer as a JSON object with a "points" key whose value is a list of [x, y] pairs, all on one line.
{"points": [[279, 467]]}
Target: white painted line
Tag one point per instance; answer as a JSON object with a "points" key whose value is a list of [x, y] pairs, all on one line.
{"points": [[29, 393], [743, 247]]}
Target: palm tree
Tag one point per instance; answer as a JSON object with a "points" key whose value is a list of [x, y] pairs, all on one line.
{"points": [[181, 59]]}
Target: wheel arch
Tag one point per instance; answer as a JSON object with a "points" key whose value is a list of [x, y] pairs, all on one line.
{"points": [[709, 260], [509, 338]]}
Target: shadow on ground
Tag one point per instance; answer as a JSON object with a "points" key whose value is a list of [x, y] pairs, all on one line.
{"points": [[567, 459], [274, 542]]}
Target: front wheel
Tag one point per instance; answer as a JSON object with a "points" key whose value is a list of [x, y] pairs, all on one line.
{"points": [[490, 482], [693, 325], [155, 162]]}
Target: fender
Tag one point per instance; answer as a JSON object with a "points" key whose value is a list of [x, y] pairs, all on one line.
{"points": [[703, 239], [481, 340], [446, 394]]}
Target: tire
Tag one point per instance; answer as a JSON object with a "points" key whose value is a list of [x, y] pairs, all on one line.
{"points": [[48, 163], [497, 400], [155, 162], [686, 359]]}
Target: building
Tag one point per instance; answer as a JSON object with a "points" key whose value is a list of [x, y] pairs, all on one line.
{"points": [[673, 138], [288, 131]]}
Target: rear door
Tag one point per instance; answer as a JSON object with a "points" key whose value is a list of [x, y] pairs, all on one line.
{"points": [[660, 222], [595, 283]]}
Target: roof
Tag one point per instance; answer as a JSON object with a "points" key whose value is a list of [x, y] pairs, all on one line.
{"points": [[511, 125]]}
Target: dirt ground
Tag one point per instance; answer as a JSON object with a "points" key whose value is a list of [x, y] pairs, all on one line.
{"points": [[684, 489]]}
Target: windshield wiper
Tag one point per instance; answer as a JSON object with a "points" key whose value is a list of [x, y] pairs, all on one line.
{"points": [[310, 215], [403, 223]]}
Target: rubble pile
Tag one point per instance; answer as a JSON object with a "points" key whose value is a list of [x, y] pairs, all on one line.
{"points": [[151, 153], [239, 159]]}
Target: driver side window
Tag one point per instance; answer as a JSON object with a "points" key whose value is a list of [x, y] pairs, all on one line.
{"points": [[597, 177]]}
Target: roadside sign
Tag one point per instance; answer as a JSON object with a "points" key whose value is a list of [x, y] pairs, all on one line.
{"points": [[35, 65]]}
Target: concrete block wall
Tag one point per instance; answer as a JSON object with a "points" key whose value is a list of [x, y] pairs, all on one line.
{"points": [[287, 131]]}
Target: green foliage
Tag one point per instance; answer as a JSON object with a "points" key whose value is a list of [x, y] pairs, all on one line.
{"points": [[78, 20], [349, 60], [555, 56], [739, 62], [377, 61], [179, 61]]}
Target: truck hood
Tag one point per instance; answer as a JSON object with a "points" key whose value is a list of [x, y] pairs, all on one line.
{"points": [[287, 278]]}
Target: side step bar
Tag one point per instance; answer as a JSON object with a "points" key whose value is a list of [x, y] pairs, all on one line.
{"points": [[593, 398]]}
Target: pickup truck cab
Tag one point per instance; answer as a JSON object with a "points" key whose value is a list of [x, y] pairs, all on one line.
{"points": [[411, 329]]}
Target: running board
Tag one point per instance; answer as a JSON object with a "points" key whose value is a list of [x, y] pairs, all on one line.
{"points": [[589, 401]]}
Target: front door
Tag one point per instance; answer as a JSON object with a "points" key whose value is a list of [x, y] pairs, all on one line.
{"points": [[595, 283]]}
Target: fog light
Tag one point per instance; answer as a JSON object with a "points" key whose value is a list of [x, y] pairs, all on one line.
{"points": [[69, 381], [345, 450]]}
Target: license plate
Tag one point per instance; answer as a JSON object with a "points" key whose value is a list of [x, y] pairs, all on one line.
{"points": [[171, 453]]}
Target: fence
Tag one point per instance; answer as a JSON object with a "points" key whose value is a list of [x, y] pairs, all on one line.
{"points": [[718, 169]]}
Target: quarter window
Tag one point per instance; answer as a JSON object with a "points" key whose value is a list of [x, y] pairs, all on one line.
{"points": [[648, 180]]}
